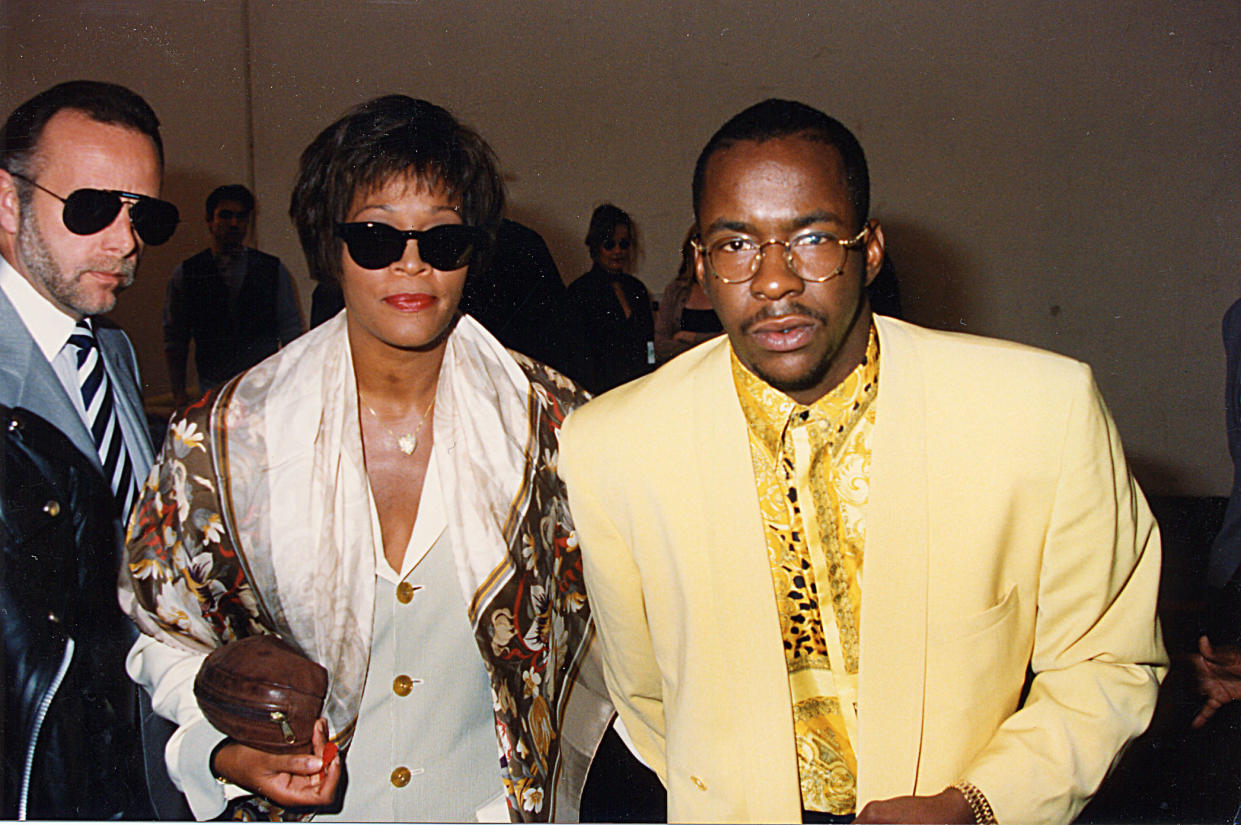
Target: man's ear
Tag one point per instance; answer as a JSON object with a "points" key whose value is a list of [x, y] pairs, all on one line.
{"points": [[874, 251], [10, 204]]}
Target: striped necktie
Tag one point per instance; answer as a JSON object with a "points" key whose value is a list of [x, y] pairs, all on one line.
{"points": [[105, 426]]}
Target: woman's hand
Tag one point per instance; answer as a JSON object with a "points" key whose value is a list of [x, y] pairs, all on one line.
{"points": [[289, 780]]}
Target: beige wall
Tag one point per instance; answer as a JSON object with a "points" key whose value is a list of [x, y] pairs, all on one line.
{"points": [[1060, 174]]}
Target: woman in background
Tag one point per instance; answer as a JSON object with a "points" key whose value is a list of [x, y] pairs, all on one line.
{"points": [[609, 309], [685, 318]]}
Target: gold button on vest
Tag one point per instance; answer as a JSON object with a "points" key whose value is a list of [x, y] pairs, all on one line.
{"points": [[404, 592], [402, 685], [400, 777]]}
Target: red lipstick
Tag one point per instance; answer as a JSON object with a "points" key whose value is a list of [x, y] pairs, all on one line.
{"points": [[410, 301]]}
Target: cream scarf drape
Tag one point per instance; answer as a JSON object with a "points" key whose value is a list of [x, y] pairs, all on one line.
{"points": [[296, 492]]}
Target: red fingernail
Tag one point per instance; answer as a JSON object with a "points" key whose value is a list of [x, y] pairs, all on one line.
{"points": [[329, 753]]}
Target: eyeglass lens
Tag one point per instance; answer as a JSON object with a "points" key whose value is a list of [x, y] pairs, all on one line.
{"points": [[610, 244], [812, 257], [88, 211], [376, 245]]}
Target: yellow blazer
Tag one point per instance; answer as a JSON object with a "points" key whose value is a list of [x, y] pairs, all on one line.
{"points": [[1004, 533]]}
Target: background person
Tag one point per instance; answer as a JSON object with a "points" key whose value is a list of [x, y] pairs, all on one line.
{"points": [[519, 296], [237, 305], [1217, 663], [685, 317], [609, 309]]}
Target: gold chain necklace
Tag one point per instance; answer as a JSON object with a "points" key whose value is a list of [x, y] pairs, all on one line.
{"points": [[408, 442]]}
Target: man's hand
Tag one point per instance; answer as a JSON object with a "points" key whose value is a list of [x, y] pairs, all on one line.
{"points": [[291, 781], [1219, 677], [947, 806]]}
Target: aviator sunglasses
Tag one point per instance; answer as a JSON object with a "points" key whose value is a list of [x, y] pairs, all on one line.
{"points": [[376, 245], [88, 211]]}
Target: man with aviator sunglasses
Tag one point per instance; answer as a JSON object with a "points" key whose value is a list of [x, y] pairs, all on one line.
{"points": [[237, 304], [80, 171]]}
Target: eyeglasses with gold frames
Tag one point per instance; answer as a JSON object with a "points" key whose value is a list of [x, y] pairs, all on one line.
{"points": [[812, 256]]}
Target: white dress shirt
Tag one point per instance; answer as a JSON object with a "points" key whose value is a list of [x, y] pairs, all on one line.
{"points": [[50, 328]]}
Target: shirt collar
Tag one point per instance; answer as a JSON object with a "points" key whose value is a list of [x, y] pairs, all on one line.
{"points": [[768, 411], [47, 324]]}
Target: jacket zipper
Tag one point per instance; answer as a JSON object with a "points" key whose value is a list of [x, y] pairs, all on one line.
{"points": [[40, 715]]}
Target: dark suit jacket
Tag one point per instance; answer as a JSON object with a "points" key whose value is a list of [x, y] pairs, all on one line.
{"points": [[519, 297]]}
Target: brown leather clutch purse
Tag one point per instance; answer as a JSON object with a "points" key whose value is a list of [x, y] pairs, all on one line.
{"points": [[261, 692]]}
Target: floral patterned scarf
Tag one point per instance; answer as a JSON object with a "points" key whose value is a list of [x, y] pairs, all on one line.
{"points": [[256, 520]]}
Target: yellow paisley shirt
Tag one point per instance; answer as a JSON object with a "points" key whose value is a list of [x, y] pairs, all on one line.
{"points": [[812, 471]]}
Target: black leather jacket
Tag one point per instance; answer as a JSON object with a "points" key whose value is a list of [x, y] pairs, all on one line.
{"points": [[70, 738]]}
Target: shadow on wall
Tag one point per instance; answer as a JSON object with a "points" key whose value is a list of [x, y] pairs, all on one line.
{"points": [[933, 276]]}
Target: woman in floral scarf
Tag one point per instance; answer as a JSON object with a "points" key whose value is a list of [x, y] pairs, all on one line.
{"points": [[382, 494]]}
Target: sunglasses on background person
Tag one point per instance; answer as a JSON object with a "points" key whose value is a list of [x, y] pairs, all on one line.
{"points": [[376, 245], [610, 244], [88, 211]]}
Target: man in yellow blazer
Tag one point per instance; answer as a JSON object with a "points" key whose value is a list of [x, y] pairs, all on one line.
{"points": [[982, 525]]}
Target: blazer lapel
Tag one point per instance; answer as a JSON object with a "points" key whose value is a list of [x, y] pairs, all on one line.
{"points": [[28, 381], [892, 680], [736, 572]]}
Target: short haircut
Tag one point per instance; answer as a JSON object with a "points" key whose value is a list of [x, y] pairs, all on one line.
{"points": [[603, 222], [230, 192], [390, 137], [102, 102], [784, 118]]}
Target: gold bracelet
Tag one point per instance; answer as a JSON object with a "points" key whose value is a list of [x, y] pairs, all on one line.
{"points": [[981, 808]]}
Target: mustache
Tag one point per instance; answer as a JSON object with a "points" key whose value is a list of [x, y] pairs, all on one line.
{"points": [[125, 267], [780, 310]]}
